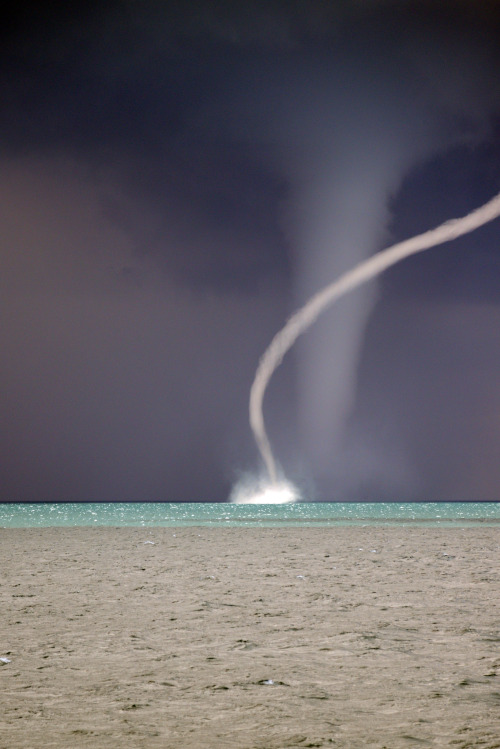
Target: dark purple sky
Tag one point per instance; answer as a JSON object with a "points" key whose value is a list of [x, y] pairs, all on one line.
{"points": [[176, 178]]}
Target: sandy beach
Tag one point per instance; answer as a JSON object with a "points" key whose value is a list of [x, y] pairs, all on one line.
{"points": [[250, 637]]}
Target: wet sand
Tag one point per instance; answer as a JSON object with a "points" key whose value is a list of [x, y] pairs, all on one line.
{"points": [[250, 638]]}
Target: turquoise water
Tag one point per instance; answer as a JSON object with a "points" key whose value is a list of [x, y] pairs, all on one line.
{"points": [[220, 514]]}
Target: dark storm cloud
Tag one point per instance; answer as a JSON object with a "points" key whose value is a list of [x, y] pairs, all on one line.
{"points": [[133, 86], [121, 89], [149, 155]]}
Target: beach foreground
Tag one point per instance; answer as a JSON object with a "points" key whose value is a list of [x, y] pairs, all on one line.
{"points": [[250, 637]]}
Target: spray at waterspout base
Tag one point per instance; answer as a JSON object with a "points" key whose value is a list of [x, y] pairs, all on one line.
{"points": [[264, 492]]}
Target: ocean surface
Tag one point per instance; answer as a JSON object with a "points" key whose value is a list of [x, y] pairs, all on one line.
{"points": [[173, 514]]}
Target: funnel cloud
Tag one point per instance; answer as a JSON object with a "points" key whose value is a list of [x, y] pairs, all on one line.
{"points": [[349, 128], [307, 315]]}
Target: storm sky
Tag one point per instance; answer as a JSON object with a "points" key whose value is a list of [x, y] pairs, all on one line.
{"points": [[176, 178]]}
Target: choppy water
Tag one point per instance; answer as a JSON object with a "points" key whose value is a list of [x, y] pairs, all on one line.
{"points": [[220, 514]]}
